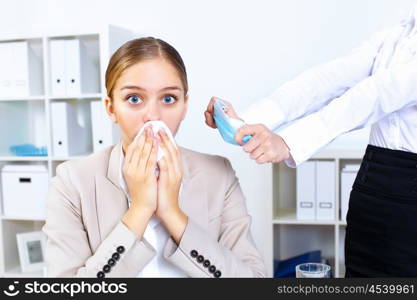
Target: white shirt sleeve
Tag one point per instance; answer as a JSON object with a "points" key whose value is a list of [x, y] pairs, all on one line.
{"points": [[315, 87], [375, 97]]}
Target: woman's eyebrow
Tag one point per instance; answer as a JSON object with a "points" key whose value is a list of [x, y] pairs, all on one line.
{"points": [[171, 88], [129, 87]]}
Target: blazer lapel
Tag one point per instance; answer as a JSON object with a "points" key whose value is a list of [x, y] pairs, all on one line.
{"points": [[111, 201], [193, 196]]}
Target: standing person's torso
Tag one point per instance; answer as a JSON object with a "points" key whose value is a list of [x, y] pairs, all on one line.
{"points": [[398, 130]]}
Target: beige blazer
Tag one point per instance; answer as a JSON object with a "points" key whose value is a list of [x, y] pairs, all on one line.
{"points": [[86, 204]]}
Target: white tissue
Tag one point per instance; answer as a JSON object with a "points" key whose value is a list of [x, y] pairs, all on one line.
{"points": [[157, 125]]}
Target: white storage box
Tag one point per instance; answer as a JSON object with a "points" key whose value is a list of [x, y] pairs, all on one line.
{"points": [[24, 191], [68, 137]]}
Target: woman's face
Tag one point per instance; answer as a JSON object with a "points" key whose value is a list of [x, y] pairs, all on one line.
{"points": [[150, 90]]}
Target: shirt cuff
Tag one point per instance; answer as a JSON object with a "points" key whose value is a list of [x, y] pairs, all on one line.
{"points": [[266, 111], [304, 138]]}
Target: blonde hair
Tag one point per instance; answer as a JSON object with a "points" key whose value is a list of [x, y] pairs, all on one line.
{"points": [[140, 49]]}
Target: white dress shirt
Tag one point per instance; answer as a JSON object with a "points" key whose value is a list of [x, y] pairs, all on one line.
{"points": [[157, 236], [374, 85]]}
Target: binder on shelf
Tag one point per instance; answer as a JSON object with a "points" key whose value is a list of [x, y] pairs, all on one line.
{"points": [[306, 191], [73, 70], [72, 67], [57, 54], [104, 131], [347, 178], [325, 190], [21, 72], [82, 69], [68, 137], [6, 57]]}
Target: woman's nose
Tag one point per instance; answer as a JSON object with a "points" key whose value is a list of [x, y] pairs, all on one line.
{"points": [[152, 112]]}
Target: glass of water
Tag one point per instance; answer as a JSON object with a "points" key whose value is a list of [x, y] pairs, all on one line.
{"points": [[312, 270]]}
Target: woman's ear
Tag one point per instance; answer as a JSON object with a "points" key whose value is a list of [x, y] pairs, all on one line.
{"points": [[110, 109], [184, 113]]}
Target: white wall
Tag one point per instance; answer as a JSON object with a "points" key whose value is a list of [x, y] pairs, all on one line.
{"points": [[237, 50]]}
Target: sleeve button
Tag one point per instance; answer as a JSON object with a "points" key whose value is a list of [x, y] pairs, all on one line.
{"points": [[206, 263], [111, 262], [120, 249], [115, 256], [106, 268], [194, 253], [200, 258], [100, 275], [217, 274], [212, 269]]}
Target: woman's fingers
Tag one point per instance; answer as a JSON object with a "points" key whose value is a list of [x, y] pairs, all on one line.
{"points": [[252, 130], [138, 147], [133, 146], [151, 165], [170, 153], [209, 113], [163, 170], [263, 158], [146, 152], [256, 153], [253, 143], [210, 120]]}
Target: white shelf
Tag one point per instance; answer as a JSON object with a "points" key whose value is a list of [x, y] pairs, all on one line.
{"points": [[23, 158], [23, 98], [18, 218], [289, 216], [57, 158], [81, 96], [16, 272]]}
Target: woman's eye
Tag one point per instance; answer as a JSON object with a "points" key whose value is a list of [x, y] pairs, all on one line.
{"points": [[134, 99], [169, 99]]}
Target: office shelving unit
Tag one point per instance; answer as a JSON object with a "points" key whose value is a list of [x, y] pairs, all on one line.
{"points": [[27, 119], [291, 236]]}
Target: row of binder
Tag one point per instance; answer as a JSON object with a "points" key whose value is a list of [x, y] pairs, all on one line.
{"points": [[73, 70], [316, 189], [69, 138], [21, 70]]}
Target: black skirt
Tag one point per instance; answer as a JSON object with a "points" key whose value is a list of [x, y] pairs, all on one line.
{"points": [[381, 231]]}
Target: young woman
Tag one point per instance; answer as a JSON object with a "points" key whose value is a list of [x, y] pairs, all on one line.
{"points": [[109, 215]]}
